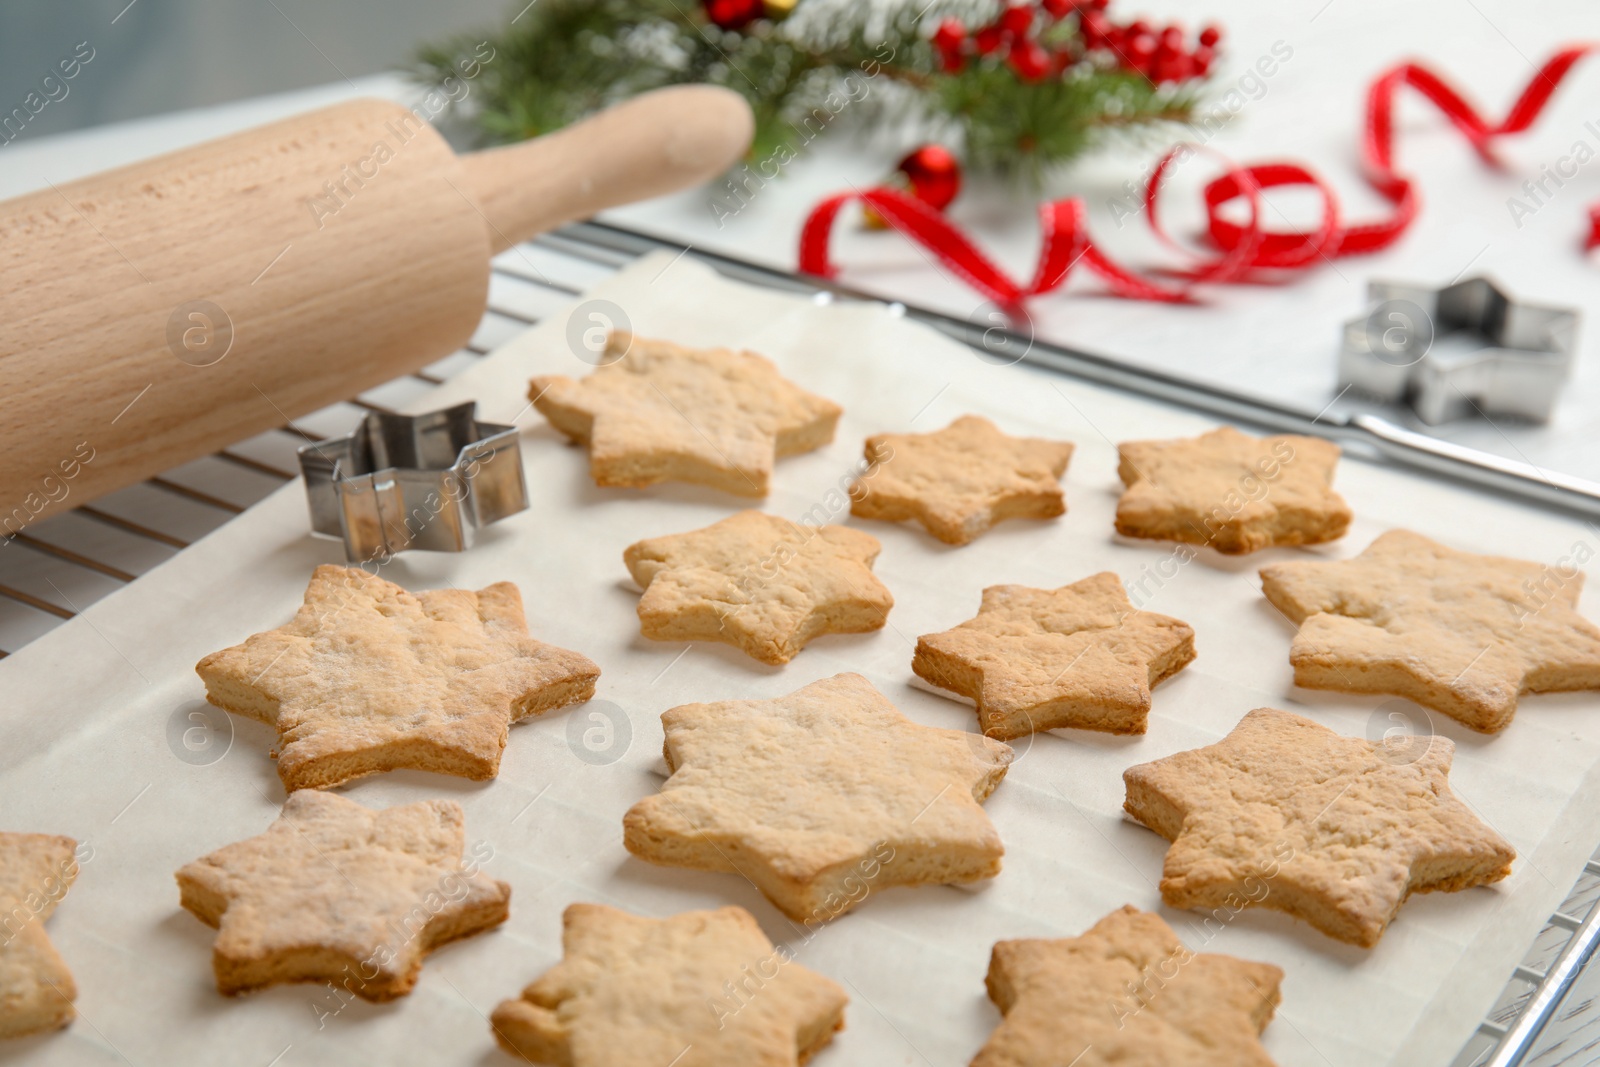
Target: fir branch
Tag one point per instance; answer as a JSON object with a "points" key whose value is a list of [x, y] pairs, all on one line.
{"points": [[564, 59]]}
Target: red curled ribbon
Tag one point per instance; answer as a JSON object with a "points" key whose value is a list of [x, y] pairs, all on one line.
{"points": [[1244, 248]]}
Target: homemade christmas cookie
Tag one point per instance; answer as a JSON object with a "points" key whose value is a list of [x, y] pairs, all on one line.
{"points": [[36, 989], [1284, 813], [760, 583], [961, 480], [1038, 659], [821, 797], [1459, 633], [1126, 994], [657, 412], [1230, 491], [336, 892], [700, 989], [369, 678]]}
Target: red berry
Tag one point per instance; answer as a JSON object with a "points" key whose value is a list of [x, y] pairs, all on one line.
{"points": [[1169, 68], [1059, 8], [1200, 62], [1171, 39], [989, 39], [1139, 50], [949, 35], [1098, 5], [1094, 29], [1136, 27], [1029, 60], [1016, 20], [1210, 36]]}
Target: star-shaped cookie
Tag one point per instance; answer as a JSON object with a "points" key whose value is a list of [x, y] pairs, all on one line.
{"points": [[369, 678], [699, 989], [1038, 659], [960, 480], [1231, 491], [821, 797], [336, 892], [658, 412], [1456, 632], [36, 989], [1126, 994], [760, 583], [1284, 813]]}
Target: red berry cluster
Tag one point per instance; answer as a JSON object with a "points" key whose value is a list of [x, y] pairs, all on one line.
{"points": [[1162, 55]]}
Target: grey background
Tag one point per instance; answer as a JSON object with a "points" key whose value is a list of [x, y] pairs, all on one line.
{"points": [[162, 55]]}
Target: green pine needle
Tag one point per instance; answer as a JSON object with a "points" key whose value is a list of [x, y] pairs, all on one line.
{"points": [[562, 60]]}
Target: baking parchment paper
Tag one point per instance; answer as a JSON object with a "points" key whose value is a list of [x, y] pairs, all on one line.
{"points": [[93, 742]]}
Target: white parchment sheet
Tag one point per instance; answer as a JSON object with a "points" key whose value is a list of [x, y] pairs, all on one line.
{"points": [[88, 716]]}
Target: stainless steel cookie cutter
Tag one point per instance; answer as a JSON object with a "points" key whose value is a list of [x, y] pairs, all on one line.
{"points": [[414, 481], [1464, 348]]}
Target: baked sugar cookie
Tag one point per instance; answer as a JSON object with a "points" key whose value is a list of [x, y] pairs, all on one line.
{"points": [[1284, 813], [36, 989], [961, 480], [763, 584], [1037, 659], [1459, 633], [1230, 491], [657, 412], [369, 678], [1127, 993], [700, 989], [336, 892], [821, 798]]}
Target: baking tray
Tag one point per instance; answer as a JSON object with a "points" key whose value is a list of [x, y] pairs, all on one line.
{"points": [[537, 278]]}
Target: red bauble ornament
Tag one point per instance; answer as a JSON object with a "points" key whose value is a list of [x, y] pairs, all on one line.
{"points": [[734, 14], [934, 174]]}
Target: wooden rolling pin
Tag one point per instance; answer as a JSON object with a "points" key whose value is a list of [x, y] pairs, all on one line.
{"points": [[155, 313]]}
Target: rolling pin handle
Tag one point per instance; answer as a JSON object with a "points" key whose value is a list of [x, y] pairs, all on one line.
{"points": [[656, 143]]}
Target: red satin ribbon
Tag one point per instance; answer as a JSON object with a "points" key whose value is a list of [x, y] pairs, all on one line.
{"points": [[1243, 249]]}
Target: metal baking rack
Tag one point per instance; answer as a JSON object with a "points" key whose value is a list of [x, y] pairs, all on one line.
{"points": [[54, 569]]}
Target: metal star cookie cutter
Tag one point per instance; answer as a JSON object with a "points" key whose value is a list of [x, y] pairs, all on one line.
{"points": [[414, 481], [1465, 348]]}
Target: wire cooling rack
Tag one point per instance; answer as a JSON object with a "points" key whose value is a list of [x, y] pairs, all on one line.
{"points": [[52, 570]]}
